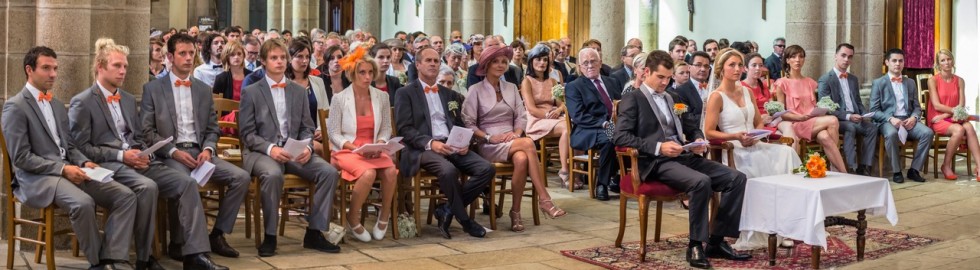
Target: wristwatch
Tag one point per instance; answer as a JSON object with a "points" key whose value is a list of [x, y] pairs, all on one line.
{"points": [[487, 137]]}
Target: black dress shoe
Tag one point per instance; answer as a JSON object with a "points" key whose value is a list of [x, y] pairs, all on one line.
{"points": [[725, 251], [151, 264], [473, 228], [201, 261], [897, 178], [268, 247], [173, 251], [220, 246], [314, 240], [486, 207], [444, 218], [862, 170], [614, 187], [696, 257], [601, 193], [914, 175], [113, 265]]}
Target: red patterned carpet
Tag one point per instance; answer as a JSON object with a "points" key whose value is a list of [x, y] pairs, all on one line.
{"points": [[669, 253]]}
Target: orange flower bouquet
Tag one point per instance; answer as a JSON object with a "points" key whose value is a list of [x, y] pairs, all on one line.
{"points": [[815, 166]]}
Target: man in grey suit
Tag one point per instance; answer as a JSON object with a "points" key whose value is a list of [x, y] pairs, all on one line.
{"points": [[895, 102], [105, 127], [843, 89], [48, 167], [274, 110], [181, 107]]}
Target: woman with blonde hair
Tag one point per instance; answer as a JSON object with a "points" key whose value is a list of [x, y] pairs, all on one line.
{"points": [[228, 84], [360, 115], [946, 91]]}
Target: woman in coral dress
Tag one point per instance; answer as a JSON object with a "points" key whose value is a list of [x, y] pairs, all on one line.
{"points": [[798, 94], [945, 93], [360, 115]]}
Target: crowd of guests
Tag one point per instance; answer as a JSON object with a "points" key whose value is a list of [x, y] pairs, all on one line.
{"points": [[421, 87]]}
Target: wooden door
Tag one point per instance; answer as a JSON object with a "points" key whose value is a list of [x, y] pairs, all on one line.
{"points": [[341, 14]]}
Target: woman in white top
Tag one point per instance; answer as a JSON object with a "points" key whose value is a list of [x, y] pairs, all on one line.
{"points": [[730, 114]]}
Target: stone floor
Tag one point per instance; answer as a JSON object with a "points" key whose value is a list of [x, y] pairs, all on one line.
{"points": [[949, 210]]}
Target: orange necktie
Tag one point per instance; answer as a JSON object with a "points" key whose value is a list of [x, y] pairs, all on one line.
{"points": [[843, 76], [44, 97], [279, 85], [180, 83], [897, 79], [112, 98], [431, 89], [703, 85]]}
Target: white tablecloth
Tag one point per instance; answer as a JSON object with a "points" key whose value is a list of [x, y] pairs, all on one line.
{"points": [[795, 207]]}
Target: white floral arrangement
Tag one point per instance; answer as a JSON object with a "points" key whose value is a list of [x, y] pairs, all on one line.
{"points": [[453, 107], [773, 107], [558, 92], [960, 114], [827, 103]]}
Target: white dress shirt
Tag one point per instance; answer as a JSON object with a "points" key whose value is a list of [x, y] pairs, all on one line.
{"points": [[438, 116], [117, 118], [660, 103], [279, 101], [900, 99], [185, 112], [845, 89], [207, 72], [703, 93], [45, 107]]}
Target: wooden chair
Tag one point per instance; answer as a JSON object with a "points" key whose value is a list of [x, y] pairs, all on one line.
{"points": [[293, 199], [547, 151], [498, 188], [589, 160], [346, 188], [631, 187], [44, 223]]}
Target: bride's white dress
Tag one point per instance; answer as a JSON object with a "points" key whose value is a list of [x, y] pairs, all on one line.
{"points": [[759, 160]]}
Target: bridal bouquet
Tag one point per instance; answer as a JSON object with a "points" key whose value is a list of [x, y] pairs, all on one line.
{"points": [[680, 108], [815, 166], [827, 103], [773, 107], [558, 92], [960, 114]]}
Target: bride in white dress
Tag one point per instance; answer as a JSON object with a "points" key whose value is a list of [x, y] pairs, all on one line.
{"points": [[729, 115]]}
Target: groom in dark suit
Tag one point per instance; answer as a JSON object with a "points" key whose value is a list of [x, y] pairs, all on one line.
{"points": [[647, 123], [424, 114], [842, 87], [589, 100]]}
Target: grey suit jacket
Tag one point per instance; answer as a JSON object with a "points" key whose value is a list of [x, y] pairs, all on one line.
{"points": [[93, 129], [829, 85], [258, 124], [36, 158], [883, 99], [159, 114]]}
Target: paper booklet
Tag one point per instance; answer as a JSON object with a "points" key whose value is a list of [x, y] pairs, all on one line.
{"points": [[694, 144], [295, 148], [459, 137], [390, 147], [203, 173], [149, 151], [759, 134], [818, 111], [99, 174]]}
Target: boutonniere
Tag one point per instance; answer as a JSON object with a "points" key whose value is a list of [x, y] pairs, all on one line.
{"points": [[453, 107], [680, 108]]}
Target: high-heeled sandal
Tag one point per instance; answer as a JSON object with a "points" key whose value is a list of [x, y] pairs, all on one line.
{"points": [[551, 212], [516, 224], [950, 177], [977, 172], [377, 232]]}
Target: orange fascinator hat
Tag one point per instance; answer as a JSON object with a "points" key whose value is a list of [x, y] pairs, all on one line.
{"points": [[349, 62]]}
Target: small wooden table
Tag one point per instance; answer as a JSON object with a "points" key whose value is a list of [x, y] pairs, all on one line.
{"points": [[800, 208]]}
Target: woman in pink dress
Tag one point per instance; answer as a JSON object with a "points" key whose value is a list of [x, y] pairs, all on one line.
{"points": [[360, 115], [495, 112], [946, 92], [544, 112], [798, 94]]}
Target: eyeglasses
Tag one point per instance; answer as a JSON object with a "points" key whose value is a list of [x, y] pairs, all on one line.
{"points": [[780, 45], [253, 53], [704, 66]]}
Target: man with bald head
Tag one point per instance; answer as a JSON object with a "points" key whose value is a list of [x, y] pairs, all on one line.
{"points": [[636, 42], [589, 100], [566, 49]]}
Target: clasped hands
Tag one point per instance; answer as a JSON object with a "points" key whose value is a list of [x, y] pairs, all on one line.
{"points": [[908, 123]]}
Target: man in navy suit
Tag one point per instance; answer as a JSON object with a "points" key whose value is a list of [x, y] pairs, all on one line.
{"points": [[775, 63], [589, 100], [626, 73], [694, 93]]}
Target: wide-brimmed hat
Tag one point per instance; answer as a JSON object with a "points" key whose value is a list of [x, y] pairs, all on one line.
{"points": [[489, 54]]}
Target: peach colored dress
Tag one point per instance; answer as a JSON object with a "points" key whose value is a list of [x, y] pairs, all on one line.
{"points": [[949, 95], [541, 91], [352, 165], [801, 99]]}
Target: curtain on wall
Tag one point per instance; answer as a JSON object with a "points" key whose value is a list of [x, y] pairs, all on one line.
{"points": [[919, 33]]}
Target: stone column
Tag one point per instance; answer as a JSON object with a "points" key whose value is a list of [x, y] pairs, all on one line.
{"points": [[239, 14], [454, 9], [488, 20], [15, 40], [313, 15], [200, 8], [273, 14], [435, 17], [178, 14], [807, 25], [299, 16], [474, 15], [606, 25], [648, 12], [287, 15], [74, 45], [367, 16]]}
